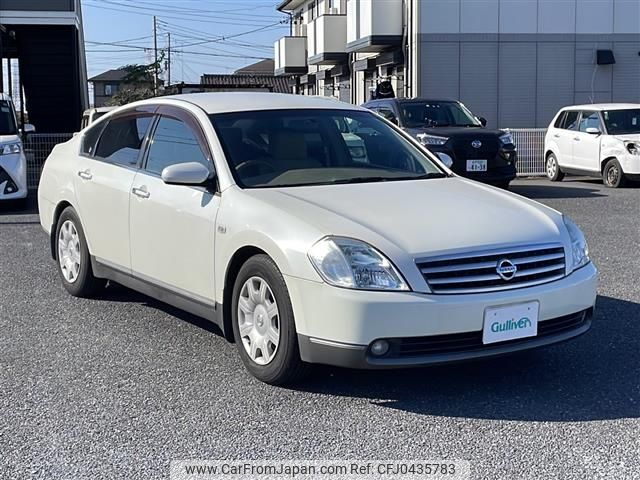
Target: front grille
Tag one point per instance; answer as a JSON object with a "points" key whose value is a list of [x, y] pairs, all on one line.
{"points": [[468, 342], [477, 272], [463, 150]]}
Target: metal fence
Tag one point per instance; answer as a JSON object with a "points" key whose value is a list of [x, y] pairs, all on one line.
{"points": [[37, 147], [530, 143]]}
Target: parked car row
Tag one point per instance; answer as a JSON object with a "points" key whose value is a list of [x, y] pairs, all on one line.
{"points": [[262, 213]]}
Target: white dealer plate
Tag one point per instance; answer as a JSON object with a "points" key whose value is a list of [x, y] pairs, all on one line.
{"points": [[510, 322], [476, 165]]}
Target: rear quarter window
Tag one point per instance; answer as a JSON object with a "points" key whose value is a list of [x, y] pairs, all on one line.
{"points": [[90, 139]]}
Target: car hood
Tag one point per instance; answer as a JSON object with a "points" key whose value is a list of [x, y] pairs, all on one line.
{"points": [[422, 217], [632, 137], [459, 132], [9, 139]]}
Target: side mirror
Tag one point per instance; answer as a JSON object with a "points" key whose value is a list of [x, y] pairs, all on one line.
{"points": [[446, 159], [29, 128], [593, 131], [190, 173], [483, 121]]}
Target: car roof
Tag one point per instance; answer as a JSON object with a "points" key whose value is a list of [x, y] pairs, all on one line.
{"points": [[412, 100], [99, 110], [604, 106], [227, 102]]}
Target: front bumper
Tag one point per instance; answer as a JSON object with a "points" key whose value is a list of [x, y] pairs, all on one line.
{"points": [[13, 177], [337, 326], [501, 167]]}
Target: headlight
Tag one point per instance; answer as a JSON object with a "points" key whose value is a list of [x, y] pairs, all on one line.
{"points": [[579, 247], [507, 138], [10, 148], [348, 263], [432, 139], [633, 148]]}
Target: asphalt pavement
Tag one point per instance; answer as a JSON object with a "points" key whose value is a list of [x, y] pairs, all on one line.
{"points": [[117, 387]]}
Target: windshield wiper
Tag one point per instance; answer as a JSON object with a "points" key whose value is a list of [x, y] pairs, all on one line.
{"points": [[387, 179]]}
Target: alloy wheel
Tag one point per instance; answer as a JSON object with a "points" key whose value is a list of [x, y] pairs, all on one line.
{"points": [[69, 256], [552, 167], [258, 320]]}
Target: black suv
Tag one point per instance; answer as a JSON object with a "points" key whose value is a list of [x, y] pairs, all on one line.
{"points": [[457, 136]]}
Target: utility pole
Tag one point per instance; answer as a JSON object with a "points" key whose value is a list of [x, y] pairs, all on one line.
{"points": [[155, 52], [169, 61]]}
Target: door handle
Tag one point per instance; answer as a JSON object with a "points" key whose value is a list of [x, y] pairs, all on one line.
{"points": [[85, 174], [577, 139], [141, 192], [557, 135]]}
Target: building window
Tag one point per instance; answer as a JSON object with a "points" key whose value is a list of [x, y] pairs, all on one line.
{"points": [[110, 90]]}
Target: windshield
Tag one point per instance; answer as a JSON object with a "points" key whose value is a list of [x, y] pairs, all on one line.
{"points": [[285, 148], [622, 122], [7, 119], [437, 114]]}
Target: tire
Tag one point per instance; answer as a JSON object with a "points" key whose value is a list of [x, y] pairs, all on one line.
{"points": [[552, 168], [73, 258], [612, 174], [503, 185], [266, 315]]}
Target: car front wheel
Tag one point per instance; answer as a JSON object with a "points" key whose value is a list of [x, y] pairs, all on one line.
{"points": [[612, 175], [74, 261], [263, 323]]}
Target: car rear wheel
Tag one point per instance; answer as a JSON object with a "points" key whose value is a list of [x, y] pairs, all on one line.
{"points": [[74, 261], [263, 323], [553, 169], [612, 175]]}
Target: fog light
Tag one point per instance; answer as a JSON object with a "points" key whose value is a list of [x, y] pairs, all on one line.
{"points": [[379, 348]]}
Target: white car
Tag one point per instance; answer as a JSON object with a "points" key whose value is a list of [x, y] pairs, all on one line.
{"points": [[13, 163], [93, 114], [250, 210], [595, 140]]}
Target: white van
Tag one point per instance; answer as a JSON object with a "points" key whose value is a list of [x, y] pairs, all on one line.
{"points": [[596, 140], [13, 163]]}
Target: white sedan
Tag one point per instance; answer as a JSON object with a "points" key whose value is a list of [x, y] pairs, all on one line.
{"points": [[251, 210]]}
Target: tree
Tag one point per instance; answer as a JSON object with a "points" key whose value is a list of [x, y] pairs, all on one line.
{"points": [[137, 84]]}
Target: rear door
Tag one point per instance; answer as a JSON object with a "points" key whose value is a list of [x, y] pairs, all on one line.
{"points": [[172, 226], [563, 136], [105, 171], [586, 146]]}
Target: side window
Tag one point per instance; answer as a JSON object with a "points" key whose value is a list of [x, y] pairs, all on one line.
{"points": [[560, 120], [590, 120], [571, 121], [173, 142], [122, 138], [387, 113], [90, 139]]}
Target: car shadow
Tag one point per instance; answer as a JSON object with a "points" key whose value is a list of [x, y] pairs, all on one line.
{"points": [[19, 207], [552, 191], [591, 378], [114, 292]]}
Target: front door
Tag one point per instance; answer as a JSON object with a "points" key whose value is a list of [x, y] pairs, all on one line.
{"points": [[586, 146], [172, 226]]}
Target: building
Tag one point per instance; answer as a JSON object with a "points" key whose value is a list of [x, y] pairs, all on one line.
{"points": [[107, 84], [257, 77], [515, 62], [42, 53]]}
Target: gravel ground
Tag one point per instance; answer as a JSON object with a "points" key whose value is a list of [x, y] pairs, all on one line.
{"points": [[118, 386]]}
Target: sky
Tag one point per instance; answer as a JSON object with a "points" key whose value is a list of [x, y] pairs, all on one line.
{"points": [[207, 36]]}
